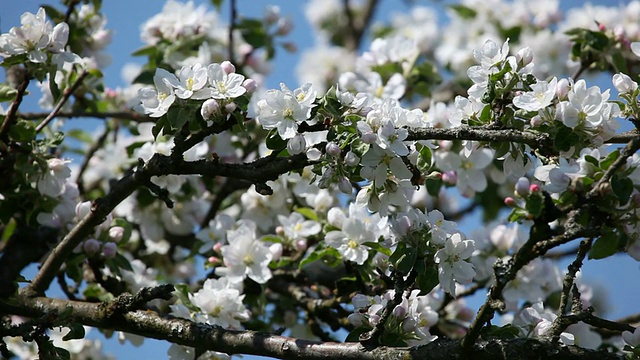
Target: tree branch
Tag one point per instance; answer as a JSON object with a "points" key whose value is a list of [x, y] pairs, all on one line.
{"points": [[202, 336], [65, 96]]}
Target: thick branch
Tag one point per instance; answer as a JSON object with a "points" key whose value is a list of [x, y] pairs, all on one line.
{"points": [[202, 336], [258, 171]]}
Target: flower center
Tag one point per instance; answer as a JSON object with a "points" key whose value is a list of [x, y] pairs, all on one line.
{"points": [[352, 244]]}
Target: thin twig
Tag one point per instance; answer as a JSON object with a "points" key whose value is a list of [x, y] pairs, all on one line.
{"points": [[65, 96], [232, 26], [92, 150], [125, 115], [13, 109]]}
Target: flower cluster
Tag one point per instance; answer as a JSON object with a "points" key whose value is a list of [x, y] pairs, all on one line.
{"points": [[219, 83]]}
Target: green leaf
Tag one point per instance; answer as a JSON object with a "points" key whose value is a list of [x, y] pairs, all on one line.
{"points": [[330, 256], [377, 247], [433, 185], [354, 335], [427, 280], [81, 135], [274, 141], [535, 204], [425, 158], [217, 4], [22, 131], [178, 116], [145, 50], [76, 331], [406, 261], [610, 159], [622, 187], [605, 246], [506, 332], [122, 262], [463, 11], [7, 93], [308, 213]]}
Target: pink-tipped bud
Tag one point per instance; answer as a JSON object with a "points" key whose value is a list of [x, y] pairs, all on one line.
{"points": [[333, 149], [279, 230], [399, 311], [230, 107], [301, 245], [116, 233], [213, 259], [449, 177], [536, 121], [534, 188], [91, 246], [228, 67], [351, 159], [109, 250], [601, 27], [250, 84], [345, 186], [562, 88], [209, 108], [369, 138], [510, 202], [216, 247]]}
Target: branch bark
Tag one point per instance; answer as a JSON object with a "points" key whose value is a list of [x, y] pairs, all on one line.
{"points": [[188, 333]]}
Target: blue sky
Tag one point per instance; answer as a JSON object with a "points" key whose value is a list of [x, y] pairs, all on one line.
{"points": [[125, 17]]}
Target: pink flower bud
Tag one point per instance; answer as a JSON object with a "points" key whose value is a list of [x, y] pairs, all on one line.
{"points": [[601, 27], [116, 233], [524, 56], [562, 88], [536, 121], [351, 159], [209, 109], [228, 67], [623, 83], [250, 84], [109, 250], [369, 138], [345, 186], [91, 246], [230, 107], [301, 245], [399, 311], [333, 149], [217, 247], [213, 259], [510, 202], [280, 230], [82, 209], [449, 177], [276, 251], [534, 188]]}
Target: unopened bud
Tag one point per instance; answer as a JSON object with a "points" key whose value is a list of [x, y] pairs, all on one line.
{"points": [[217, 246], [623, 83], [333, 149], [284, 27], [301, 245], [230, 107], [116, 233], [351, 159], [524, 56], [510, 202], [536, 121], [109, 250], [209, 109], [345, 186], [562, 88], [228, 67], [449, 177], [369, 138], [534, 188], [399, 311], [276, 251], [82, 209], [250, 84], [601, 27], [523, 187], [91, 246]]}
